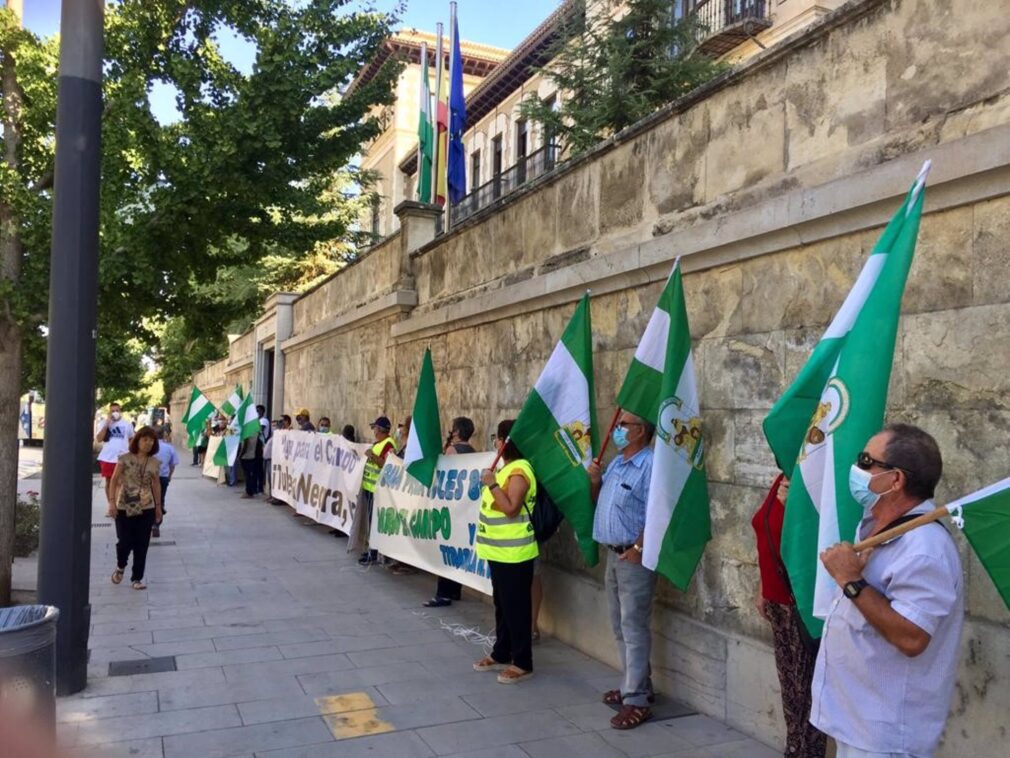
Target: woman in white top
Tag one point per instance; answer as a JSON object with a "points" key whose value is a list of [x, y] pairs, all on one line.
{"points": [[114, 434]]}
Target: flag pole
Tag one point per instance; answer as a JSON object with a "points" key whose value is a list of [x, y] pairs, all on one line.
{"points": [[606, 440], [438, 100], [890, 534], [448, 132]]}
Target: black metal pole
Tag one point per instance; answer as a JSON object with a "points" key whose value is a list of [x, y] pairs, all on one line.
{"points": [[65, 550]]}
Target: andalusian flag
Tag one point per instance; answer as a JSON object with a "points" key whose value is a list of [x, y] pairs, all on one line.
{"points": [[229, 406], [200, 409], [556, 429], [424, 441], [246, 424], [835, 404], [986, 524], [678, 520], [425, 133]]}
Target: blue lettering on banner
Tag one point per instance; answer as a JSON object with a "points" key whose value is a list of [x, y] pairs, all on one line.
{"points": [[464, 559]]}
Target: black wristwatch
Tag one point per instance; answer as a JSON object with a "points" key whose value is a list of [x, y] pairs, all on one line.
{"points": [[852, 589]]}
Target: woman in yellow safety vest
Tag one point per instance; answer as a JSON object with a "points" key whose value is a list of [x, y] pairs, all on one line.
{"points": [[505, 540]]}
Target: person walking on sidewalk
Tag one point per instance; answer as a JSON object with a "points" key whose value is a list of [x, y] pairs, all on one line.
{"points": [[621, 494], [247, 455], [113, 434], [457, 443], [168, 459], [376, 459], [506, 541], [136, 504]]}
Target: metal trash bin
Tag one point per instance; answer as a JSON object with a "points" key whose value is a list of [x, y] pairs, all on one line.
{"points": [[28, 662]]}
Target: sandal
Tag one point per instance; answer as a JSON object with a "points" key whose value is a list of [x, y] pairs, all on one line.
{"points": [[612, 697], [139, 585], [631, 716], [513, 674], [117, 576], [487, 663], [437, 602]]}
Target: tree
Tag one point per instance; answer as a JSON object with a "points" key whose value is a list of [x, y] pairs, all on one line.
{"points": [[240, 175], [615, 63]]}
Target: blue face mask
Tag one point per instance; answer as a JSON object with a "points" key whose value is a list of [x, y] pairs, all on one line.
{"points": [[620, 437], [859, 486]]}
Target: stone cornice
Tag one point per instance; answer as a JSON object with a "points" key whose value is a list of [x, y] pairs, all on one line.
{"points": [[397, 301], [964, 171]]}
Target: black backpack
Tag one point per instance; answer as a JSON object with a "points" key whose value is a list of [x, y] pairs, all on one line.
{"points": [[546, 516]]}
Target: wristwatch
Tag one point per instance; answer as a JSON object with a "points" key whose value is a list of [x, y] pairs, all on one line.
{"points": [[638, 548], [852, 589]]}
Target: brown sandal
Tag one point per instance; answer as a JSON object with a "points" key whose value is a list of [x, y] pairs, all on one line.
{"points": [[631, 716], [487, 663], [513, 674], [612, 697], [117, 575]]}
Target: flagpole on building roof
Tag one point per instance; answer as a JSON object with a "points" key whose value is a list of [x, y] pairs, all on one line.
{"points": [[438, 99], [448, 135]]}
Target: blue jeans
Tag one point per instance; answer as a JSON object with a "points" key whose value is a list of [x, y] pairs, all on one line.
{"points": [[231, 475], [630, 587]]}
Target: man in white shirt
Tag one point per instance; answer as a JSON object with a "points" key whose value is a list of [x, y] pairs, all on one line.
{"points": [[887, 664], [114, 434]]}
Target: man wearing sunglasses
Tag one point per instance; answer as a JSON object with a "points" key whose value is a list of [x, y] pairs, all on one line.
{"points": [[886, 668]]}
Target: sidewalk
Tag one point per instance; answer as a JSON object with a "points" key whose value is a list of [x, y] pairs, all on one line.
{"points": [[283, 646]]}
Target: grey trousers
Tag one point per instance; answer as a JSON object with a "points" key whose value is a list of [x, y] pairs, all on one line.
{"points": [[630, 587]]}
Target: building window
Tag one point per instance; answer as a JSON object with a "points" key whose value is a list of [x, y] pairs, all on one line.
{"points": [[376, 206], [550, 138], [522, 135], [474, 170], [496, 167]]}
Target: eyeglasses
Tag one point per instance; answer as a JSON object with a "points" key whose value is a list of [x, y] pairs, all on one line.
{"points": [[626, 424], [865, 461]]}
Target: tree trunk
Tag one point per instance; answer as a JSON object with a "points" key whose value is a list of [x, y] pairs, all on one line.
{"points": [[10, 331]]}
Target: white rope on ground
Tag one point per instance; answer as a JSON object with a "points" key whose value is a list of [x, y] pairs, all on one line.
{"points": [[470, 634]]}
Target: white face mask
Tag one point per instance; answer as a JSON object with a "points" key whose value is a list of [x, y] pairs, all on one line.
{"points": [[115, 415]]}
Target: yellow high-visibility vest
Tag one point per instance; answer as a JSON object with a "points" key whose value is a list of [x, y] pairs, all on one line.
{"points": [[371, 476], [504, 539]]}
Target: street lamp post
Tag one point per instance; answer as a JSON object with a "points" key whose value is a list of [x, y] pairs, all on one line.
{"points": [[65, 550]]}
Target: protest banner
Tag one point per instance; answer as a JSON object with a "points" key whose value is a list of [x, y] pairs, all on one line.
{"points": [[434, 527], [210, 468], [318, 475]]}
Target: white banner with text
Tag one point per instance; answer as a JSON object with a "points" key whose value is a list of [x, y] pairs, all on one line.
{"points": [[434, 527], [318, 475]]}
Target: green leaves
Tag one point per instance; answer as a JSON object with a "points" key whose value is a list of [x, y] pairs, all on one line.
{"points": [[202, 217], [614, 71]]}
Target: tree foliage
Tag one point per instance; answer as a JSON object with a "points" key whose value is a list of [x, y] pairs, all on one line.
{"points": [[199, 217], [615, 63]]}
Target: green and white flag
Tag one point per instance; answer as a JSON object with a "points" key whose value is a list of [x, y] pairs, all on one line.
{"points": [[200, 409], [247, 418], [245, 424], [678, 522], [227, 451], [835, 404], [424, 441], [556, 429], [985, 518], [425, 133], [230, 406]]}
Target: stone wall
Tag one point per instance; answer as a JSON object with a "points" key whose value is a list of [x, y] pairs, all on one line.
{"points": [[773, 185]]}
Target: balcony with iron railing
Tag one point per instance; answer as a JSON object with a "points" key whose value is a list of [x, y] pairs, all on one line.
{"points": [[728, 23], [525, 170]]}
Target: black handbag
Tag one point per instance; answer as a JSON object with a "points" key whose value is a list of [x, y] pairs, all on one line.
{"points": [[546, 516]]}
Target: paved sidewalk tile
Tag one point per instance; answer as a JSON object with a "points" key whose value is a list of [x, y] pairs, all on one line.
{"points": [[286, 648]]}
